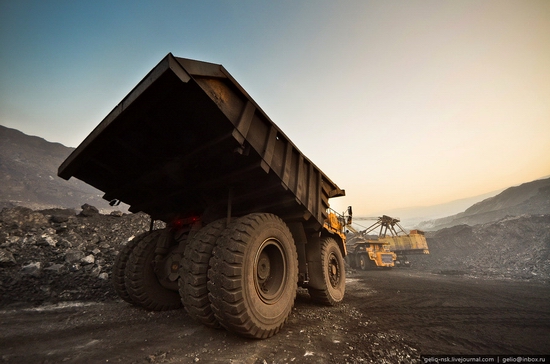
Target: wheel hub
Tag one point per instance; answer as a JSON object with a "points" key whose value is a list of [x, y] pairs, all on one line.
{"points": [[333, 271], [270, 271], [167, 268], [264, 266]]}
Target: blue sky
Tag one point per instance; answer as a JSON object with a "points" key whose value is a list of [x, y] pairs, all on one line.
{"points": [[402, 103]]}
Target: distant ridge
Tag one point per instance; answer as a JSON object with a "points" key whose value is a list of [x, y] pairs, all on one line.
{"points": [[531, 198], [28, 175], [412, 216]]}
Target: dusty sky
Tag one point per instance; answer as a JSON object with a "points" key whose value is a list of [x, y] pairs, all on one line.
{"points": [[401, 103]]}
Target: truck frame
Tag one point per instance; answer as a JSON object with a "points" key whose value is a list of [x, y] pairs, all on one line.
{"points": [[246, 213]]}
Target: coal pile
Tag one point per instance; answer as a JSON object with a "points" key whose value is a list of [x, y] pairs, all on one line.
{"points": [[512, 248], [59, 255]]}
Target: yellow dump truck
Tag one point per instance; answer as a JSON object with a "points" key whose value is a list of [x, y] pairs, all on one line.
{"points": [[390, 248], [368, 253]]}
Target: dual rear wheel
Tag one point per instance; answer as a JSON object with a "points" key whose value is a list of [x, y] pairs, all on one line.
{"points": [[253, 276], [134, 277], [241, 276]]}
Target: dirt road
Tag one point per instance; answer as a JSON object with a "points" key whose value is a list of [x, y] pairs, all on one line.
{"points": [[388, 317]]}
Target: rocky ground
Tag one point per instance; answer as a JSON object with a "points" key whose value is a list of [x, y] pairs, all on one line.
{"points": [[57, 302], [63, 255], [59, 255]]}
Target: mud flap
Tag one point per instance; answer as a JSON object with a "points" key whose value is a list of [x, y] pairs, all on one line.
{"points": [[314, 263]]}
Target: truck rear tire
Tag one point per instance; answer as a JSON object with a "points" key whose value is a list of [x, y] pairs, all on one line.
{"points": [[194, 273], [254, 276], [142, 284], [333, 273], [118, 273]]}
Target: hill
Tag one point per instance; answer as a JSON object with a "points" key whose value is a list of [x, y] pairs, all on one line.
{"points": [[28, 175], [412, 216], [529, 198], [515, 247]]}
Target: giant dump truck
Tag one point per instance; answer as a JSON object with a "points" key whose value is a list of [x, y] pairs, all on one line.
{"points": [[247, 215]]}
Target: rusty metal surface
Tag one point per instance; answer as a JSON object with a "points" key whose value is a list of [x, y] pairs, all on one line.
{"points": [[186, 136]]}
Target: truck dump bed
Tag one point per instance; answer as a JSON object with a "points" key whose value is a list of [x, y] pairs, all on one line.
{"points": [[413, 243], [187, 140]]}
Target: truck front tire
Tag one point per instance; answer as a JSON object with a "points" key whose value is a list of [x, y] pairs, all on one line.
{"points": [[331, 271], [254, 276]]}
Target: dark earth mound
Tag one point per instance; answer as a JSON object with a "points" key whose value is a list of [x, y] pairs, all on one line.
{"points": [[513, 248], [56, 255]]}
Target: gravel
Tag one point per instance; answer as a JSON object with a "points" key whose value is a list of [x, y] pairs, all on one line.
{"points": [[56, 255]]}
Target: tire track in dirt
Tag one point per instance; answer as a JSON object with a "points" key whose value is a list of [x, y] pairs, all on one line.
{"points": [[386, 317], [458, 315]]}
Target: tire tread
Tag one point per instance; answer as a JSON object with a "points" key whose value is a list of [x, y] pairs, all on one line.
{"points": [[225, 284], [194, 274], [323, 296], [143, 288]]}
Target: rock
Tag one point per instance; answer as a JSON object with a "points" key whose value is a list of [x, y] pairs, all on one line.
{"points": [[74, 256], [89, 259], [96, 271], [89, 210], [73, 238], [59, 218], [116, 213], [6, 258], [64, 244], [104, 276], [32, 269], [47, 239]]}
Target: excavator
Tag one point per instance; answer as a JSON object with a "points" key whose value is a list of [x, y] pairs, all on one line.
{"points": [[388, 249]]}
